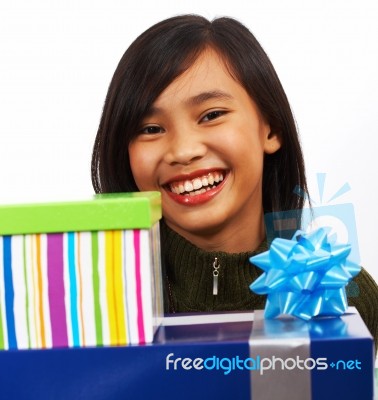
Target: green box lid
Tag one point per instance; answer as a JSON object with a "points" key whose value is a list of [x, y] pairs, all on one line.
{"points": [[139, 210]]}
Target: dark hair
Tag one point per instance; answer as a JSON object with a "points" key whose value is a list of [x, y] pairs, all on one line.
{"points": [[164, 52]]}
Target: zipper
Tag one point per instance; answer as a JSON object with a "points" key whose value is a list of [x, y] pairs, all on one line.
{"points": [[216, 267], [171, 306]]}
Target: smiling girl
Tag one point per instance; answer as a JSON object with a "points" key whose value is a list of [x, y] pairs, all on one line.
{"points": [[202, 144], [196, 111]]}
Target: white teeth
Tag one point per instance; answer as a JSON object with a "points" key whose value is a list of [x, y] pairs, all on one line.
{"points": [[198, 192], [204, 181], [197, 185], [188, 186]]}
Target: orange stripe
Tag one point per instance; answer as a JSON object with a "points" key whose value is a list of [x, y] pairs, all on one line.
{"points": [[40, 290], [80, 291]]}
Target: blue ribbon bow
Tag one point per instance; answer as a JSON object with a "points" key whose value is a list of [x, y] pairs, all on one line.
{"points": [[305, 276]]}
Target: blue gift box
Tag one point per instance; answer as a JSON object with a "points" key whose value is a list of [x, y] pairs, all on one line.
{"points": [[214, 356]]}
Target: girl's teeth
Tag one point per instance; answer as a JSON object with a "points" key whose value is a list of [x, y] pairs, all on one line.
{"points": [[197, 185], [188, 186], [194, 193]]}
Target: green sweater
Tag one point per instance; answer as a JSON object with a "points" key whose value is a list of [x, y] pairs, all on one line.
{"points": [[188, 283]]}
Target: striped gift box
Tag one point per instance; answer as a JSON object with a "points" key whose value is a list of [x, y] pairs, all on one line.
{"points": [[80, 274]]}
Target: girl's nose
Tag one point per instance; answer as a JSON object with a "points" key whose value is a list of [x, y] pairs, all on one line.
{"points": [[184, 148]]}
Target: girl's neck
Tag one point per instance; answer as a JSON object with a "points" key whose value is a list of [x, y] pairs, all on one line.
{"points": [[241, 239]]}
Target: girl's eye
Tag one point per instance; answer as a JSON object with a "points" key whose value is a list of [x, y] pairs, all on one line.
{"points": [[212, 115], [151, 130]]}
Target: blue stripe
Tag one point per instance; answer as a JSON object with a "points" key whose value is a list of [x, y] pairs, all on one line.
{"points": [[9, 291], [73, 288]]}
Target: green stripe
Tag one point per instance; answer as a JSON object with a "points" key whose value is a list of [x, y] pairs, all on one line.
{"points": [[96, 289], [26, 288]]}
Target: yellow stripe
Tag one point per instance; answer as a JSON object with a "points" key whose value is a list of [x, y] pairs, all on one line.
{"points": [[40, 291], [35, 291], [109, 271], [119, 288]]}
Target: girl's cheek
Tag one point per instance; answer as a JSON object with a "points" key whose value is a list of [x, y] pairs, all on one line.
{"points": [[134, 162], [141, 167]]}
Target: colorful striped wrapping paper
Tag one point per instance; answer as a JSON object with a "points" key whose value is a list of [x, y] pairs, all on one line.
{"points": [[82, 288]]}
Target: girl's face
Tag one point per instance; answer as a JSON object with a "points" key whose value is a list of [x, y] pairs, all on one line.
{"points": [[202, 146]]}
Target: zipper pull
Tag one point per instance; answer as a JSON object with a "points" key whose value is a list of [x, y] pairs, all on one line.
{"points": [[216, 267]]}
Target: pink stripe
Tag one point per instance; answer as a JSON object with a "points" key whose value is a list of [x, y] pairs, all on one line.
{"points": [[139, 287], [56, 289]]}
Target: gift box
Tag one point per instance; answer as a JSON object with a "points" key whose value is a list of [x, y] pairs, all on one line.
{"points": [[83, 273], [207, 356]]}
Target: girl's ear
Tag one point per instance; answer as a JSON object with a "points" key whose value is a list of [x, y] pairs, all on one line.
{"points": [[273, 142]]}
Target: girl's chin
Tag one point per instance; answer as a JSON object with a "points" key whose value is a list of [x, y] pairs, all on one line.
{"points": [[192, 230]]}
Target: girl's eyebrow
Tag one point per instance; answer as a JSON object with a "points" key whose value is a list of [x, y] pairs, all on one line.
{"points": [[208, 95], [195, 100]]}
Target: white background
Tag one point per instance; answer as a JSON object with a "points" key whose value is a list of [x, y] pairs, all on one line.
{"points": [[57, 59]]}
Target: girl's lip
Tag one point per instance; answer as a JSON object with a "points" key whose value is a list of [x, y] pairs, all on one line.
{"points": [[188, 200]]}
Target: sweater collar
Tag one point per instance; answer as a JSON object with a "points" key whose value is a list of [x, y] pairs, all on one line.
{"points": [[189, 276]]}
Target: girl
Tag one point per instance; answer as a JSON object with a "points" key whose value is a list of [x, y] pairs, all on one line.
{"points": [[196, 111]]}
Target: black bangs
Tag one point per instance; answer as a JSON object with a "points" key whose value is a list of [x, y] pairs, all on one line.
{"points": [[149, 65], [154, 61]]}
